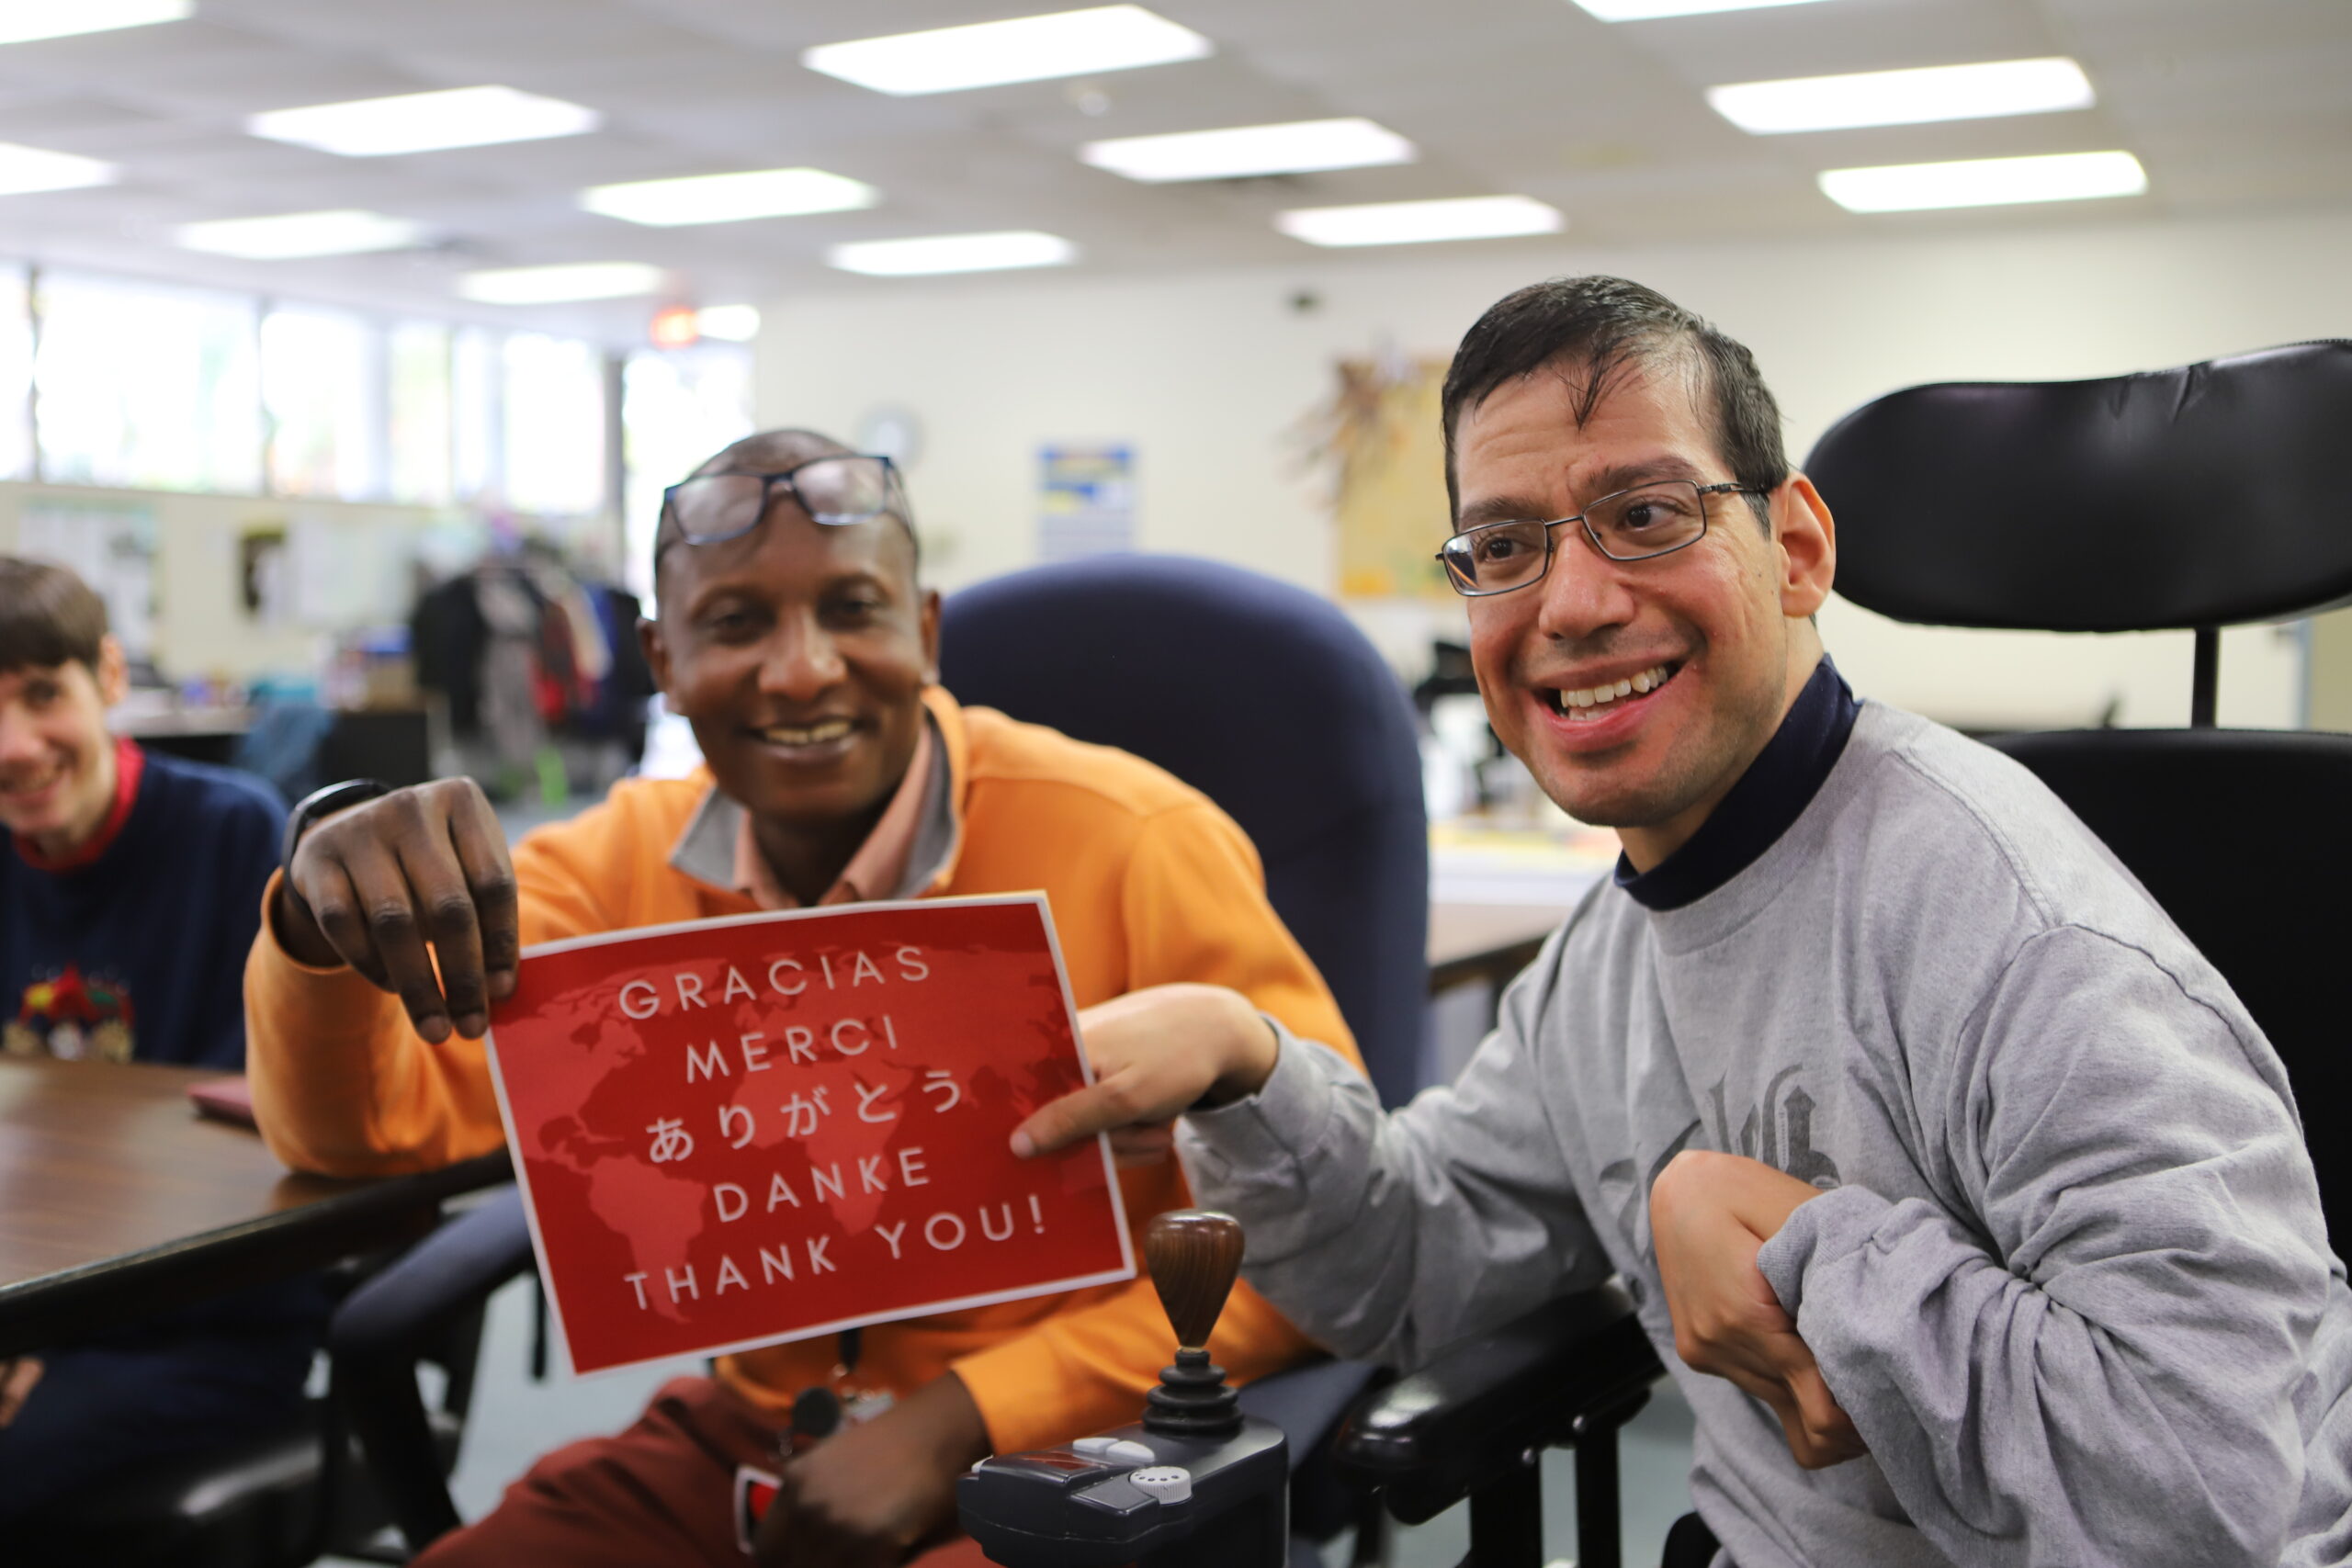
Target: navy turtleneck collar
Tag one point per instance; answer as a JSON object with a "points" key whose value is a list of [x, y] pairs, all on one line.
{"points": [[1770, 796]]}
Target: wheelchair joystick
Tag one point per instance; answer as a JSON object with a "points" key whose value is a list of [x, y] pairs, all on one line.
{"points": [[1194, 1257], [1195, 1482]]}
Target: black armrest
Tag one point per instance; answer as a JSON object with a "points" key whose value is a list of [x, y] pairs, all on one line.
{"points": [[1572, 1366], [459, 1263], [397, 1318]]}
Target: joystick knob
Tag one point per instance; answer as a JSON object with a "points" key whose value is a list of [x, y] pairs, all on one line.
{"points": [[1194, 1255]]}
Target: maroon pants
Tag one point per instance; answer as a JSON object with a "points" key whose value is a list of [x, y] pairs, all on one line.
{"points": [[661, 1492]]}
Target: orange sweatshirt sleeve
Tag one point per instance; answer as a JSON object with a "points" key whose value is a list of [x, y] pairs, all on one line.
{"points": [[343, 1085], [1194, 909]]}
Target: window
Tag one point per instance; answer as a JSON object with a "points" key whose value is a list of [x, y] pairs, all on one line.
{"points": [[677, 408], [121, 384], [15, 376], [145, 387], [420, 441], [476, 379], [554, 421], [323, 387]]}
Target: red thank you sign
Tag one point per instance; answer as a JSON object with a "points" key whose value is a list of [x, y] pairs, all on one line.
{"points": [[744, 1131]]}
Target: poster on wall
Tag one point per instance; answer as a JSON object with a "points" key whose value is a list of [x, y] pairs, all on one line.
{"points": [[1086, 501], [112, 546], [1378, 439], [345, 572]]}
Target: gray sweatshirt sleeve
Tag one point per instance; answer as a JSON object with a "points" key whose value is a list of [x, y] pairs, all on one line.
{"points": [[2109, 1371], [1388, 1236]]}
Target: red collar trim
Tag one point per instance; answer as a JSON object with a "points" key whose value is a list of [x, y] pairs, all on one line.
{"points": [[129, 764]]}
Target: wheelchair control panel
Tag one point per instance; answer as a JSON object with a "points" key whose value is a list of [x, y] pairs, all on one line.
{"points": [[1193, 1482]]}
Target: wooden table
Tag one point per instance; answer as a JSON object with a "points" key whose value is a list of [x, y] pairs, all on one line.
{"points": [[117, 1198], [1486, 941]]}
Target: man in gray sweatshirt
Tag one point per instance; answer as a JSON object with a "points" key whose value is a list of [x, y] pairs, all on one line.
{"points": [[1963, 1198]]}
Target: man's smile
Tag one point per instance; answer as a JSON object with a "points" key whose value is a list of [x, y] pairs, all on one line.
{"points": [[812, 742], [1586, 703], [28, 788], [1598, 708], [806, 734]]}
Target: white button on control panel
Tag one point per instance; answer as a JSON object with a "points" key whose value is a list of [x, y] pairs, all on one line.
{"points": [[1114, 1450], [1169, 1483]]}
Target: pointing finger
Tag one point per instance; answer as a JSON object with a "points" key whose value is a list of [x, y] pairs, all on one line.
{"points": [[1080, 1114]]}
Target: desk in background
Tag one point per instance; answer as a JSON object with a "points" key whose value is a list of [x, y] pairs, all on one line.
{"points": [[200, 735], [391, 744], [1486, 941], [117, 1200], [1496, 892]]}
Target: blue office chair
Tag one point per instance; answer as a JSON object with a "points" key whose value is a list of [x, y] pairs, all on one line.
{"points": [[1270, 702], [1266, 699], [2207, 496]]}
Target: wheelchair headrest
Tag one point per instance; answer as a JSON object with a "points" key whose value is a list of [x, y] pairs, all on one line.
{"points": [[2209, 495]]}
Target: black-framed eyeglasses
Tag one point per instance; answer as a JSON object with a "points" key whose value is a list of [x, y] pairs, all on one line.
{"points": [[1655, 519], [841, 489]]}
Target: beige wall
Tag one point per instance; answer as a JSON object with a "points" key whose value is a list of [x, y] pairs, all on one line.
{"points": [[1210, 375], [2331, 671]]}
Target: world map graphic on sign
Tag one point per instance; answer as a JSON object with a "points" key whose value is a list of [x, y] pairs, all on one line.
{"points": [[739, 1131]]}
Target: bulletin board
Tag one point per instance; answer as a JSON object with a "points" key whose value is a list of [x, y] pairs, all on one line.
{"points": [[111, 545]]}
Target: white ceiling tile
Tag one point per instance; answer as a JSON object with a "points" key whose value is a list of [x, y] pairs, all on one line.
{"points": [[2230, 104]]}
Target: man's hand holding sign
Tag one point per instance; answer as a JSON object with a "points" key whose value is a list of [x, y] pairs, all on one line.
{"points": [[372, 885]]}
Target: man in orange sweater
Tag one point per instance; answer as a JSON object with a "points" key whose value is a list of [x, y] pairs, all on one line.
{"points": [[792, 633]]}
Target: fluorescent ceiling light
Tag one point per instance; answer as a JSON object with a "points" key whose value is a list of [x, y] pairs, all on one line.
{"points": [[729, 323], [1645, 10], [728, 199], [952, 252], [1904, 97], [562, 285], [25, 170], [1418, 222], [23, 21], [339, 233], [1985, 182], [1026, 49], [426, 122], [1294, 149]]}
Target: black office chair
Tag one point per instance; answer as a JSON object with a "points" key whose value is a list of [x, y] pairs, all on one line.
{"points": [[2194, 499], [1270, 702], [2191, 499]]}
